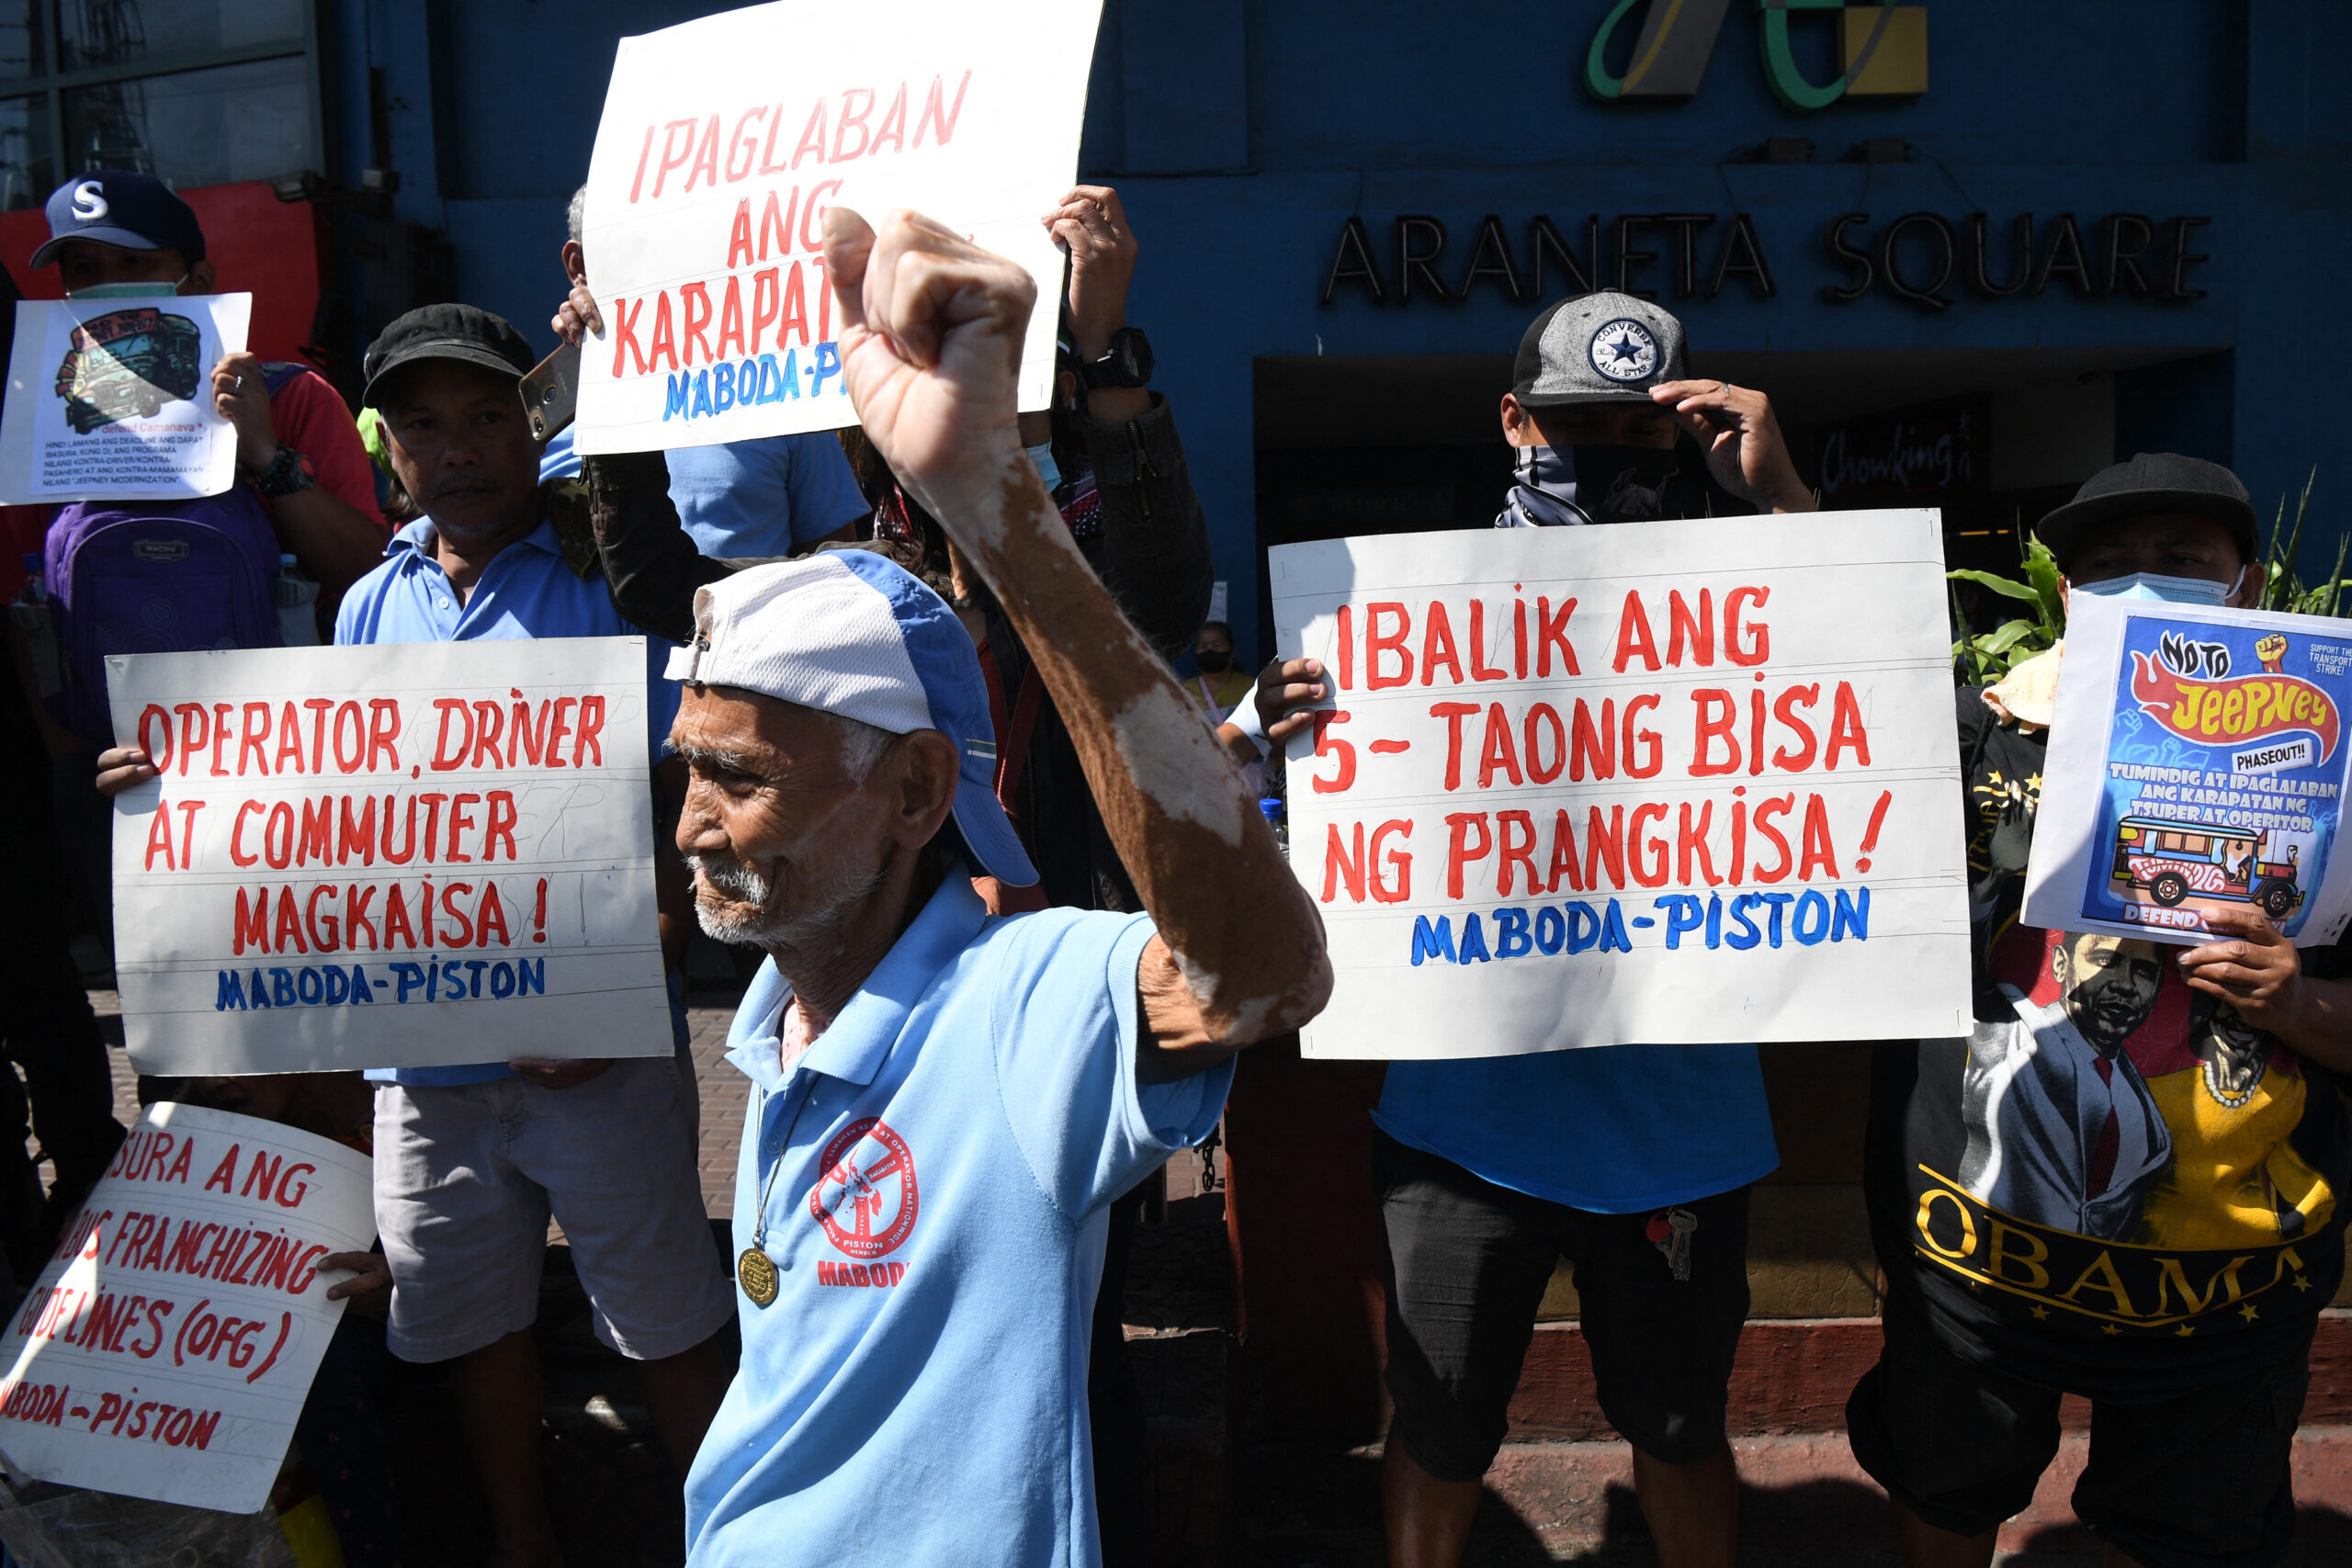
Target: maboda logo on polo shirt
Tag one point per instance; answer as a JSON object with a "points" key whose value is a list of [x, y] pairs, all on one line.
{"points": [[866, 1201]]}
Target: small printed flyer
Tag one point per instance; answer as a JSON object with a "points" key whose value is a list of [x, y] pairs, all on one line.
{"points": [[2196, 763], [111, 399]]}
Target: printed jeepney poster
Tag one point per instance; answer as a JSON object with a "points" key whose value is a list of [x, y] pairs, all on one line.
{"points": [[411, 854], [2196, 761], [1667, 782], [725, 140], [112, 399], [170, 1340]]}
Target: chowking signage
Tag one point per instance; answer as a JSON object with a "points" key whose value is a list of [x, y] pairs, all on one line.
{"points": [[1882, 50]]}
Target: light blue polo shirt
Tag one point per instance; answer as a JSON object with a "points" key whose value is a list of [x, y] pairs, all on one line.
{"points": [[748, 500], [916, 1394], [1610, 1129], [527, 590]]}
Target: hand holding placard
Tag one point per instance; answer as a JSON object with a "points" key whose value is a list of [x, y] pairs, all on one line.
{"points": [[1566, 793], [398, 855], [723, 143]]}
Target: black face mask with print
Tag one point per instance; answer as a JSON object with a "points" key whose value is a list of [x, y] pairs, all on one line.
{"points": [[1561, 485]]}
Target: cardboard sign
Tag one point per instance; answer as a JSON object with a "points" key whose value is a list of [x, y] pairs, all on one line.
{"points": [[1659, 783], [725, 140], [412, 854], [167, 1347], [112, 399], [2196, 761]]}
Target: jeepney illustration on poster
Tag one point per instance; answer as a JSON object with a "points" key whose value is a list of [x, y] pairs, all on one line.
{"points": [[110, 400], [2223, 767], [2198, 765]]}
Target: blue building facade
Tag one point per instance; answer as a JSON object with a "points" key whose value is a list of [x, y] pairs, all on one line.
{"points": [[1349, 211]]}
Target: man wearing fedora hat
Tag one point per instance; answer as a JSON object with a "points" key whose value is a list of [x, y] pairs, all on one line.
{"points": [[2124, 1183]]}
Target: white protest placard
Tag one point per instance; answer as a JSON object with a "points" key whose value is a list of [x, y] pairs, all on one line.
{"points": [[410, 854], [167, 1347], [2196, 761], [724, 140], [112, 399], [1658, 782]]}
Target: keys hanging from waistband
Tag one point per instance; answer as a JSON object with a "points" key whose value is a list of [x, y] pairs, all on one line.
{"points": [[1669, 1231]]}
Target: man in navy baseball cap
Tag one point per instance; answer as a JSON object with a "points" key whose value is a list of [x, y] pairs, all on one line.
{"points": [[115, 231], [115, 226]]}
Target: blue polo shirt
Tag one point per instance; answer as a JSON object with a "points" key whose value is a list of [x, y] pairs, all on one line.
{"points": [[748, 500], [936, 1172], [1613, 1129], [527, 590]]}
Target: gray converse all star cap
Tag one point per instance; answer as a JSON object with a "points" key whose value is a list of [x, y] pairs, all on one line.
{"points": [[1604, 347]]}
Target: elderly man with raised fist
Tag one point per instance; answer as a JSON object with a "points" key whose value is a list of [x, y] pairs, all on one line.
{"points": [[947, 1099]]}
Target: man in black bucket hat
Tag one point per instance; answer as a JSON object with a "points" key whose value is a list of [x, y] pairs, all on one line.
{"points": [[2125, 1183], [2162, 513]]}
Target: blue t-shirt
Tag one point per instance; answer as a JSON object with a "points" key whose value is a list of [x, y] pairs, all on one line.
{"points": [[527, 590], [1614, 1130], [916, 1394], [748, 498]]}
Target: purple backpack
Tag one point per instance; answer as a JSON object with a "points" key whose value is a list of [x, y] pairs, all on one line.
{"points": [[157, 577], [154, 577]]}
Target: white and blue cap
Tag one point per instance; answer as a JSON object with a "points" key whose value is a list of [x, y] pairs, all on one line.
{"points": [[853, 633]]}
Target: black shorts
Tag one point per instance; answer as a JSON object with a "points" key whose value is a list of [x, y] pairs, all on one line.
{"points": [[1466, 1263], [2198, 1480]]}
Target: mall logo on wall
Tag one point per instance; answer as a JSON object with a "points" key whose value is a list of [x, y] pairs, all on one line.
{"points": [[1883, 50]]}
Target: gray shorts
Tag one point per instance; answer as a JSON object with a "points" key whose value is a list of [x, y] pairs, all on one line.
{"points": [[466, 1177]]}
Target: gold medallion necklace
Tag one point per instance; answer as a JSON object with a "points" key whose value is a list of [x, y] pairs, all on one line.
{"points": [[754, 1270]]}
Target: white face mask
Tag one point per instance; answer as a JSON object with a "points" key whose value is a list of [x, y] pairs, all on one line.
{"points": [[127, 290], [2167, 590]]}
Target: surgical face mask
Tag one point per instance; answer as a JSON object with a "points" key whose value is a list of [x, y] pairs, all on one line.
{"points": [[2166, 590], [1047, 470], [127, 290]]}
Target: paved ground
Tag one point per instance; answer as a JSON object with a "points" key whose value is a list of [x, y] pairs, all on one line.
{"points": [[725, 1094]]}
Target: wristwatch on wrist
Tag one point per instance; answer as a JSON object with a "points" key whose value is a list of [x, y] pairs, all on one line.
{"points": [[288, 473], [1126, 363]]}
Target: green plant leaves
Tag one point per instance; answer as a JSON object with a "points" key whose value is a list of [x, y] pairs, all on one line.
{"points": [[2001, 585]]}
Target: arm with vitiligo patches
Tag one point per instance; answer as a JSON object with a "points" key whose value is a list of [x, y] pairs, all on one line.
{"points": [[931, 338]]}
